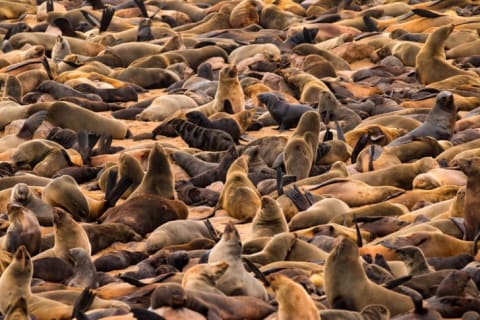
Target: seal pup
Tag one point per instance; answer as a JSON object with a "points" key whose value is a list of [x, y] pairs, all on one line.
{"points": [[301, 149], [330, 109], [84, 271], [236, 280], [15, 279], [293, 301], [239, 196], [347, 286], [440, 122], [286, 115]]}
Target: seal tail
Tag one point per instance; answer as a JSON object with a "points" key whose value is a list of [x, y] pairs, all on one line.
{"points": [[32, 124], [107, 16]]}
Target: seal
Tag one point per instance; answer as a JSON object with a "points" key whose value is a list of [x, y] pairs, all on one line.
{"points": [[331, 109], [431, 63], [202, 277], [440, 122], [164, 106], [68, 115], [84, 272], [239, 196], [227, 125], [15, 279], [286, 115], [60, 49], [293, 300], [64, 192], [229, 89], [301, 149], [68, 234], [236, 280], [437, 177], [22, 195], [269, 221], [23, 230], [471, 168], [360, 291], [202, 138], [176, 232], [320, 212], [158, 179], [401, 175]]}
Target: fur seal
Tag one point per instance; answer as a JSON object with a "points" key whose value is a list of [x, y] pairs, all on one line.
{"points": [[431, 63], [239, 196], [22, 195], [202, 138], [330, 109], [236, 280], [360, 291], [202, 277], [301, 149], [23, 230], [286, 115], [158, 179], [164, 106], [440, 122], [229, 89], [269, 221], [69, 115], [15, 279], [68, 234], [437, 177], [84, 272], [176, 232], [320, 212], [472, 169], [293, 300]]}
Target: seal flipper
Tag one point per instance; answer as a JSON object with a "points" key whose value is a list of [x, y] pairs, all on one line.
{"points": [[122, 185], [84, 301], [211, 230], [397, 282], [92, 20], [328, 136], [358, 233], [96, 4], [361, 143], [46, 65], [50, 7], [297, 198], [32, 124], [371, 159], [370, 24], [66, 28], [142, 314], [141, 5], [227, 106], [426, 13], [340, 134], [83, 146], [258, 274], [107, 16], [279, 181]]}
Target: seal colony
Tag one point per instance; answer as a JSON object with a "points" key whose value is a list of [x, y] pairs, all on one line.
{"points": [[239, 159]]}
